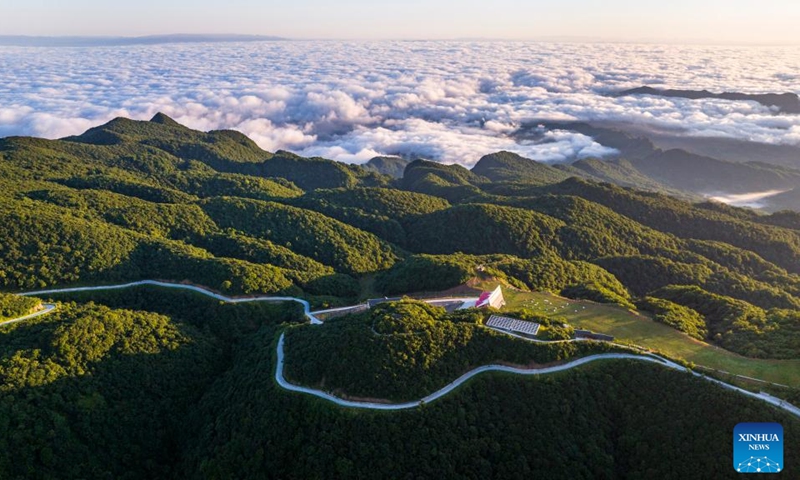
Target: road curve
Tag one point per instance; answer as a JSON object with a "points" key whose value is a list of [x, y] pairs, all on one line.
{"points": [[48, 307], [181, 286], [380, 406], [455, 383], [761, 396], [519, 371]]}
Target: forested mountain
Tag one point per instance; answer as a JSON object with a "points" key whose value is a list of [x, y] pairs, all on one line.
{"points": [[510, 167], [696, 173], [423, 347], [392, 166], [134, 200], [147, 383], [191, 379], [680, 165]]}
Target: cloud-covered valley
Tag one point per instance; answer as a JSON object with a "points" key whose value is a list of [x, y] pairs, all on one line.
{"points": [[448, 101]]}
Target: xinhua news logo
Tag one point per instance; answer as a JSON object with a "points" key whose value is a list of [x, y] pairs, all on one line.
{"points": [[758, 448]]}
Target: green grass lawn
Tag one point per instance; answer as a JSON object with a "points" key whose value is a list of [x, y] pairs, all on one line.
{"points": [[641, 330]]}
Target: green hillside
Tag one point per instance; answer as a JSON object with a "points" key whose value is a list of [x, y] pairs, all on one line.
{"points": [[510, 167], [150, 383], [13, 306], [406, 350], [392, 166], [133, 200]]}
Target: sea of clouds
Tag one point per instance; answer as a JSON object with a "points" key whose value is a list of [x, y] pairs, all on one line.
{"points": [[350, 101]]}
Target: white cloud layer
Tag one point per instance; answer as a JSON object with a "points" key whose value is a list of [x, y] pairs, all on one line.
{"points": [[750, 199], [448, 101]]}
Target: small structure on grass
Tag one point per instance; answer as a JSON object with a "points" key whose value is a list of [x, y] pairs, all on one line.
{"points": [[513, 325], [494, 299]]}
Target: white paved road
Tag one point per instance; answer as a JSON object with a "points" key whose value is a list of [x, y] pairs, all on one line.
{"points": [[48, 307], [519, 371], [451, 386], [209, 293], [432, 301], [762, 395], [381, 406]]}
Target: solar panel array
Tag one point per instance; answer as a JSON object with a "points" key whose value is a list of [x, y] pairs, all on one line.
{"points": [[514, 325]]}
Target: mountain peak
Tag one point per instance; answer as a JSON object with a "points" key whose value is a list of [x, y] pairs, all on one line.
{"points": [[506, 166], [387, 165], [164, 120]]}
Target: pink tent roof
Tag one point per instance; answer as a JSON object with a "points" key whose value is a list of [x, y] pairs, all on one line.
{"points": [[483, 300]]}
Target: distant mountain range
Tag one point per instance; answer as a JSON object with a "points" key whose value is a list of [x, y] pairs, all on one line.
{"points": [[88, 41], [786, 102], [686, 167], [640, 165]]}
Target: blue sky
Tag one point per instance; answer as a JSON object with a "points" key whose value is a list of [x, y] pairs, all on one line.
{"points": [[737, 21]]}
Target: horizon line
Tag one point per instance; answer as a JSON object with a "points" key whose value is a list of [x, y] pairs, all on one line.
{"points": [[7, 39]]}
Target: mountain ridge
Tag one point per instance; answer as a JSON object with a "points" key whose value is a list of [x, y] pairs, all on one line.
{"points": [[785, 102], [113, 41]]}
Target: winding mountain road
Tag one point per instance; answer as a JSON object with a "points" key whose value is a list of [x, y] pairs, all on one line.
{"points": [[455, 383], [182, 286], [48, 307], [519, 371], [668, 363], [281, 380]]}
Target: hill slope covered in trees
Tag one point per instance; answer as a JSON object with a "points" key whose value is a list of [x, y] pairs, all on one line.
{"points": [[151, 383], [155, 200], [131, 200]]}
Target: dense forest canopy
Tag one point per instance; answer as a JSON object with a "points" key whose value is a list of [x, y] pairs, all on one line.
{"points": [[14, 306], [407, 350], [133, 200], [150, 383], [145, 383]]}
